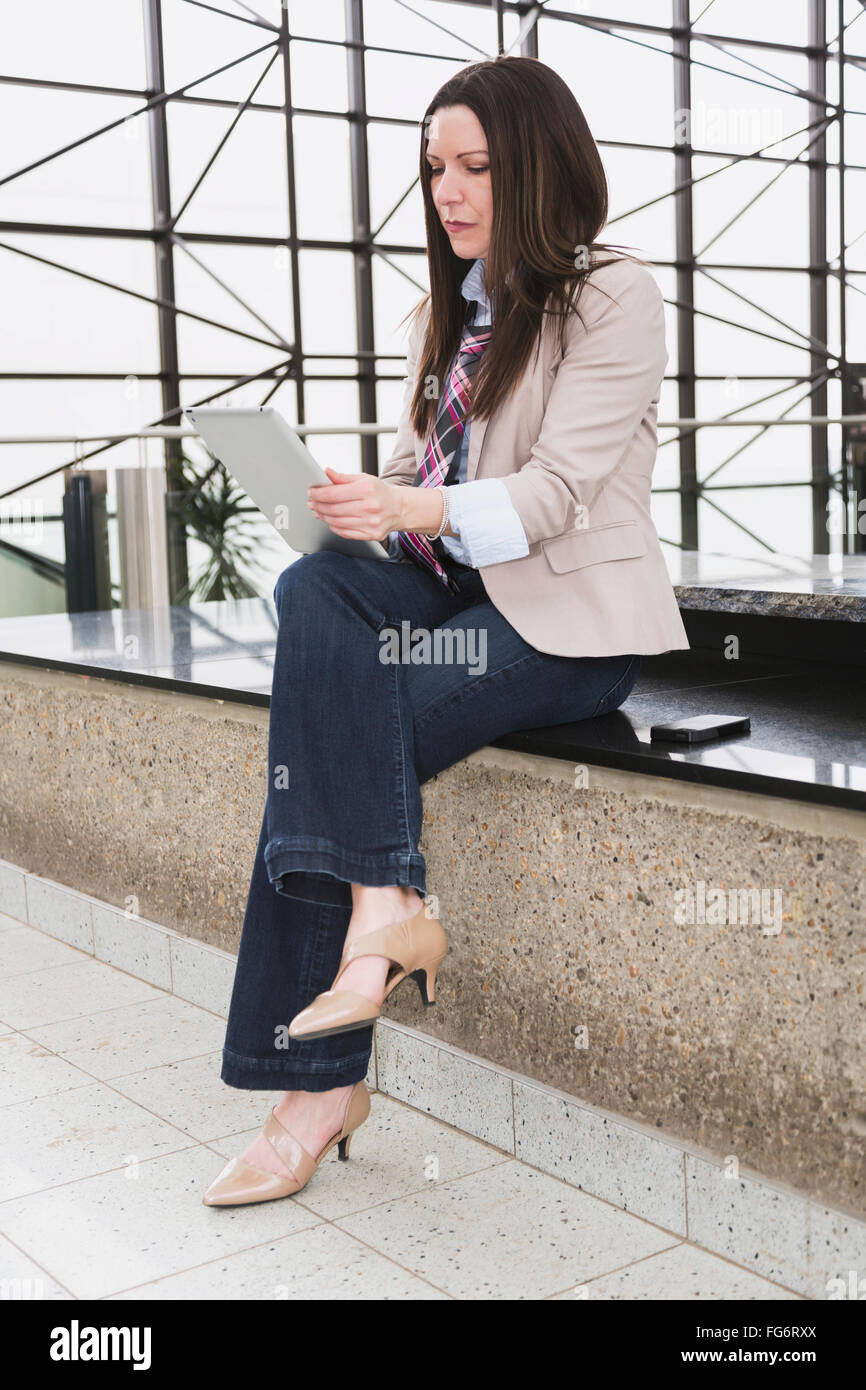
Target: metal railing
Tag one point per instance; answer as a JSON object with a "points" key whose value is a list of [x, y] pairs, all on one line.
{"points": [[180, 432], [150, 579]]}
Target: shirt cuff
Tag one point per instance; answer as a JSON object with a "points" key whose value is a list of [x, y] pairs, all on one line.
{"points": [[489, 528]]}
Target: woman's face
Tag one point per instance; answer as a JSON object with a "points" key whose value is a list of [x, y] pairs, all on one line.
{"points": [[460, 179]]}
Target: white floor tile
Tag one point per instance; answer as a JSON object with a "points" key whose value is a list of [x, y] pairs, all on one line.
{"points": [[322, 1263], [113, 1232], [396, 1151], [684, 1273], [25, 949], [22, 1279], [191, 1096], [29, 1070], [67, 991], [117, 1042], [8, 923], [508, 1232], [60, 1138]]}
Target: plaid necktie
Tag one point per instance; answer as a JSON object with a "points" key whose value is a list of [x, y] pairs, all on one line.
{"points": [[439, 464]]}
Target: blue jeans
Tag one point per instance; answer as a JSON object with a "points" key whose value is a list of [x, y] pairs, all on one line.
{"points": [[362, 713]]}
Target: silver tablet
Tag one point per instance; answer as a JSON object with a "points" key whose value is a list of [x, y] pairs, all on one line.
{"points": [[274, 467]]}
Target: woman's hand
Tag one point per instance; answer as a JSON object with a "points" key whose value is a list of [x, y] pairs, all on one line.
{"points": [[357, 505], [365, 508]]}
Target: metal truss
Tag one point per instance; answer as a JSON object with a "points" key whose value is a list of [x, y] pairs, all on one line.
{"points": [[678, 43]]}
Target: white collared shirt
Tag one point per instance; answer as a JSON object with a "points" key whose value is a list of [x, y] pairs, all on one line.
{"points": [[482, 513]]}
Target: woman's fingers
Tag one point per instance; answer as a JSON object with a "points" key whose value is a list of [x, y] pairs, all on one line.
{"points": [[359, 487], [346, 511], [359, 508]]}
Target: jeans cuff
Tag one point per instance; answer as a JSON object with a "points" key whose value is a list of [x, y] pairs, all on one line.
{"points": [[322, 871], [258, 1074]]}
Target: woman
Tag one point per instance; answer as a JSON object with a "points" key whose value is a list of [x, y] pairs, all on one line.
{"points": [[540, 559]]}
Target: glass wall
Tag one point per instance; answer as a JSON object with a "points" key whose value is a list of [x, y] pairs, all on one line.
{"points": [[220, 203]]}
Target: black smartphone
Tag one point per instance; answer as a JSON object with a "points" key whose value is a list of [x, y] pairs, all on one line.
{"points": [[700, 729]]}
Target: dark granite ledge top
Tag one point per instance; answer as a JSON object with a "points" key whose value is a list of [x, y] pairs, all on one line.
{"points": [[792, 586], [807, 739]]}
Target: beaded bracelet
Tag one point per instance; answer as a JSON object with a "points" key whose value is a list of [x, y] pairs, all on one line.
{"points": [[445, 512]]}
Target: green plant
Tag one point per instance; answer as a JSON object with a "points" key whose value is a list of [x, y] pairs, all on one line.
{"points": [[215, 512]]}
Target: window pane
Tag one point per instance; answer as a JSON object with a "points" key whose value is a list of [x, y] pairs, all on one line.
{"points": [[319, 76], [105, 181], [319, 19], [81, 326], [335, 403], [856, 322], [398, 86], [636, 177], [328, 302], [393, 162], [201, 348], [197, 390], [665, 512], [736, 192], [638, 11], [854, 19], [666, 472], [197, 41], [667, 282], [730, 111], [389, 397], [600, 67], [786, 21], [394, 295], [464, 31], [775, 455], [786, 524], [322, 178], [68, 407], [855, 202], [261, 278], [724, 348], [54, 41], [244, 192]]}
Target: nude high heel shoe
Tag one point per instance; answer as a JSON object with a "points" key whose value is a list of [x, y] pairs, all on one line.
{"points": [[417, 947], [240, 1183]]}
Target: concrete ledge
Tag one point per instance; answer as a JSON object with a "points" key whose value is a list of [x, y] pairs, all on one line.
{"points": [[739, 1040], [767, 1227]]}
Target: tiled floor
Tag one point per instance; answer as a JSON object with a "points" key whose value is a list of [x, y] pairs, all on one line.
{"points": [[113, 1121]]}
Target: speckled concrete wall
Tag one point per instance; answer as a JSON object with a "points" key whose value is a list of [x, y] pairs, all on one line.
{"points": [[569, 964], [607, 939], [133, 793]]}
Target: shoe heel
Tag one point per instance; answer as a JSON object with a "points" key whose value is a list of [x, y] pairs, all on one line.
{"points": [[425, 978], [343, 1147]]}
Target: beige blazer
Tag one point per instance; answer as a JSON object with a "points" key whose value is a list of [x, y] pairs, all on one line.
{"points": [[575, 445]]}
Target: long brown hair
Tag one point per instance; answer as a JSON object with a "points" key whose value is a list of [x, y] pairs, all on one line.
{"points": [[549, 204]]}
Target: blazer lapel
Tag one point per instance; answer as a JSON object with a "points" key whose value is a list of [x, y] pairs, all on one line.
{"points": [[477, 431]]}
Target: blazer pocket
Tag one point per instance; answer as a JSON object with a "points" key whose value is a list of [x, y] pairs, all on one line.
{"points": [[592, 545]]}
